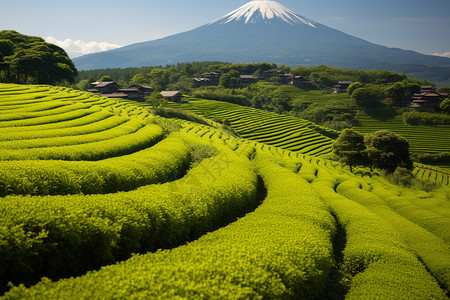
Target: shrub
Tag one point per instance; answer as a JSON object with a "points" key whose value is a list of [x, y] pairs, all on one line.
{"points": [[425, 118]]}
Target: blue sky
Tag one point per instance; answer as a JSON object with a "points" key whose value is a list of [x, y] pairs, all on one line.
{"points": [[418, 25]]}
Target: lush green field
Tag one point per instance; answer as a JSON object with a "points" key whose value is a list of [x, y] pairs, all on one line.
{"points": [[421, 138], [270, 128], [207, 215]]}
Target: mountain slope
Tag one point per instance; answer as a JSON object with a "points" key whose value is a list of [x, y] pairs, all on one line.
{"points": [[261, 31]]}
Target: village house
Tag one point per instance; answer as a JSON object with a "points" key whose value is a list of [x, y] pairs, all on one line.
{"points": [[201, 82], [111, 89], [427, 99], [214, 77], [173, 96], [341, 87], [132, 93], [247, 79], [106, 87], [144, 89], [301, 82]]}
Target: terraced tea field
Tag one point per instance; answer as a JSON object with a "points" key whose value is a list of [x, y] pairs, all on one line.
{"points": [[89, 181], [270, 128], [421, 138]]}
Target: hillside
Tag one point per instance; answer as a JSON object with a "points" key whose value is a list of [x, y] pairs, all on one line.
{"points": [[87, 181]]}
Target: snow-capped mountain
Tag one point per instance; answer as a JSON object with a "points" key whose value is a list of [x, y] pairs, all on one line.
{"points": [[262, 31], [265, 11]]}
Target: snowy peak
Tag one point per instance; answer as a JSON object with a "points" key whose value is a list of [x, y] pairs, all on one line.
{"points": [[266, 12]]}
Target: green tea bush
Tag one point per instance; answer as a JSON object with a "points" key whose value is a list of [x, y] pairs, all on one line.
{"points": [[126, 128], [121, 145], [61, 236], [165, 161], [282, 250], [431, 249], [92, 127], [425, 118], [376, 262]]}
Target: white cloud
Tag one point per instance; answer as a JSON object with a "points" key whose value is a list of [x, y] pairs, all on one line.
{"points": [[78, 48], [445, 54]]}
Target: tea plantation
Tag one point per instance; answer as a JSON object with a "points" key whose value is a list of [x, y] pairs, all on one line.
{"points": [[101, 199]]}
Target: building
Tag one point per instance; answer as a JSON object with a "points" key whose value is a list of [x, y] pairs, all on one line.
{"points": [[173, 96], [214, 77], [427, 99], [247, 79], [201, 82], [107, 87], [341, 87], [301, 82], [144, 89], [132, 93]]}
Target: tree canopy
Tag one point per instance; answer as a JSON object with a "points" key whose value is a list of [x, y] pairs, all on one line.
{"points": [[382, 149], [350, 147], [387, 150], [28, 59]]}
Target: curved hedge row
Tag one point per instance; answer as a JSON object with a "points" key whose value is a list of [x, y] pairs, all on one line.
{"points": [[165, 161], [376, 262], [263, 126], [432, 250], [60, 236], [121, 145], [281, 250]]}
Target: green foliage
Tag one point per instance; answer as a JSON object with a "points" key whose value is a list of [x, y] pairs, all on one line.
{"points": [[445, 106], [425, 118], [156, 100], [273, 129], [387, 150], [432, 158], [376, 261], [368, 96], [163, 162], [77, 233], [170, 112], [325, 76], [26, 59], [354, 86], [350, 147], [230, 80], [105, 78], [401, 91], [237, 261], [221, 94], [322, 233], [421, 138]]}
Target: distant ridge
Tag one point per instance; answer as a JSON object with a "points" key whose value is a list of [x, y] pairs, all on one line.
{"points": [[265, 31]]}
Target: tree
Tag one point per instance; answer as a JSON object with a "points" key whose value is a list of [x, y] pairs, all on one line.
{"points": [[156, 100], [402, 90], [368, 96], [350, 147], [445, 106], [32, 60], [188, 69], [229, 79], [105, 78], [444, 89], [140, 78], [159, 79], [354, 86], [387, 150]]}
